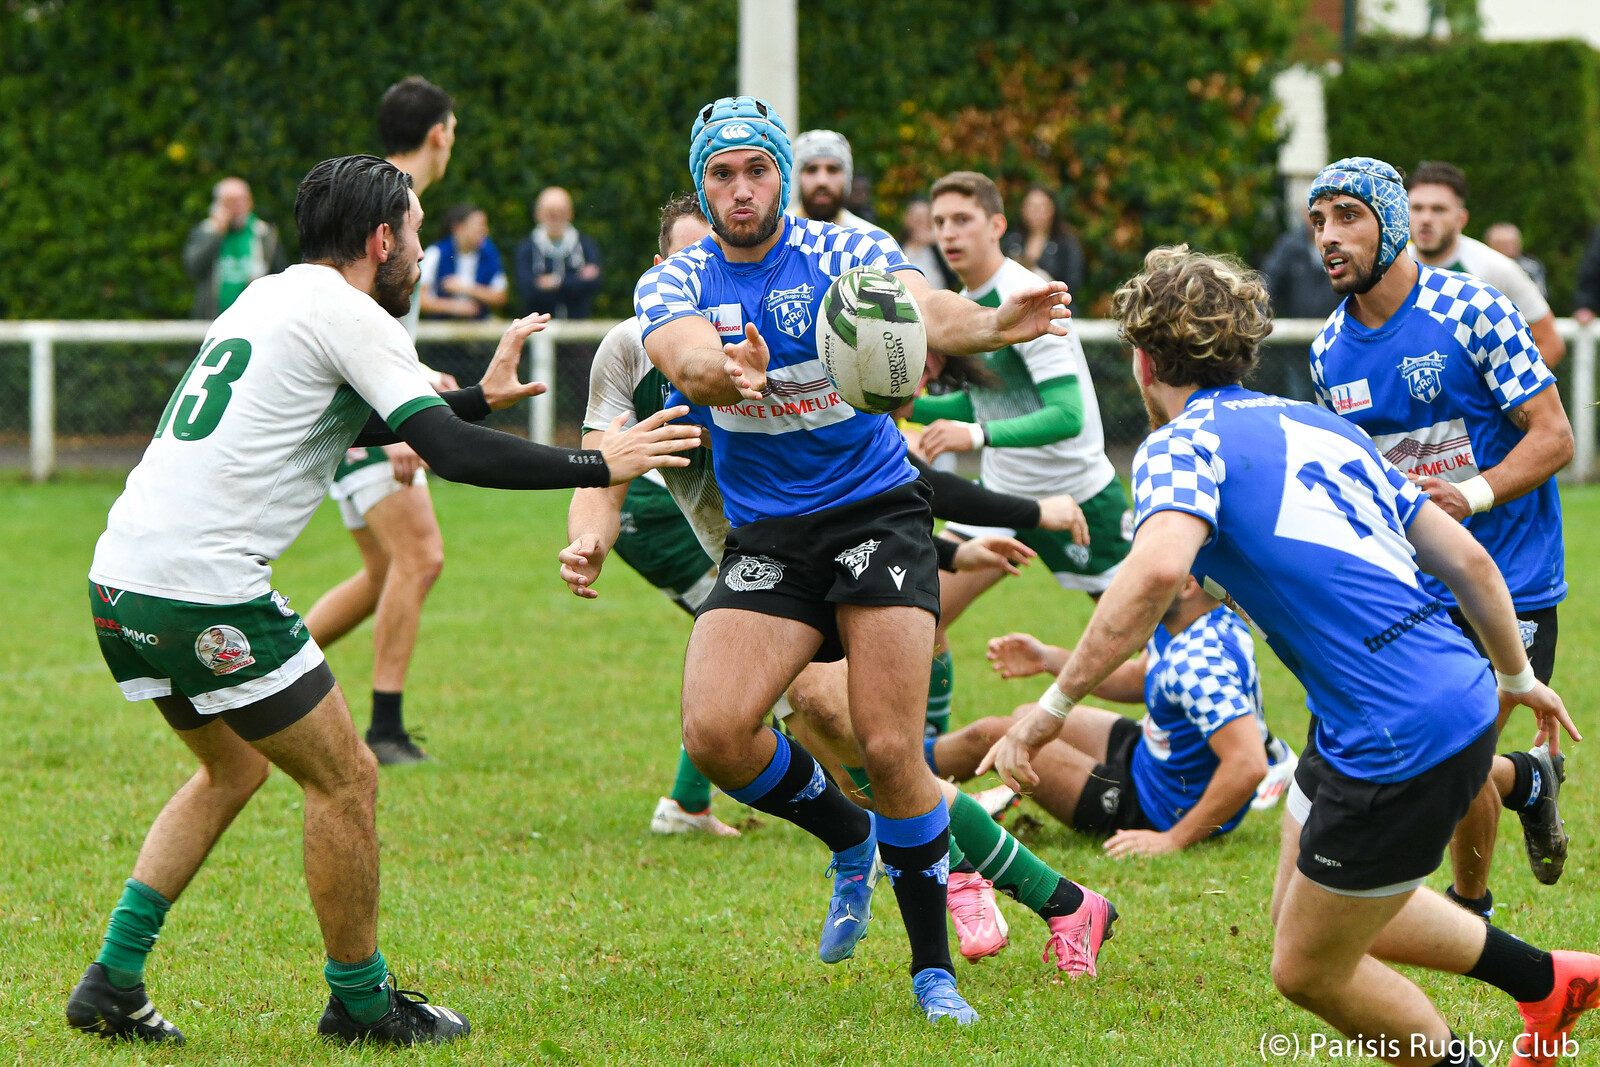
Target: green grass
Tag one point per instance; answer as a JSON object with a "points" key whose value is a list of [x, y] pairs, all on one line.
{"points": [[520, 882]]}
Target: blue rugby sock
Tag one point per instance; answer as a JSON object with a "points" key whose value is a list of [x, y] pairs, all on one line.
{"points": [[793, 787]]}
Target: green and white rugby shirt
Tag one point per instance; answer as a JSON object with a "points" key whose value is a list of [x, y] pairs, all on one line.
{"points": [[249, 442], [1076, 465], [623, 381]]}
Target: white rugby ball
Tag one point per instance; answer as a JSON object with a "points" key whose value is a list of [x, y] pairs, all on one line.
{"points": [[871, 340]]}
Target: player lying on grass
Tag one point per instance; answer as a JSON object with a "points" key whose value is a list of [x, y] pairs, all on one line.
{"points": [[303, 365], [1290, 512], [1189, 771]]}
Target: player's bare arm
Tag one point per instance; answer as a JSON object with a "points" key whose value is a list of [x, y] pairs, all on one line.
{"points": [[961, 327], [1242, 764], [594, 519], [1163, 551], [1544, 450], [692, 356], [1020, 655], [1446, 550]]}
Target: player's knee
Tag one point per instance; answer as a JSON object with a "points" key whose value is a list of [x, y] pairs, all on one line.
{"points": [[1298, 981], [991, 729], [885, 752], [423, 563], [712, 744]]}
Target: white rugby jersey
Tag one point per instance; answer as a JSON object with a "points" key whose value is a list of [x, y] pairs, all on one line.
{"points": [[623, 381], [249, 442]]}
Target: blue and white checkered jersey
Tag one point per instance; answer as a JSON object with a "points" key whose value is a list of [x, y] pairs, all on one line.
{"points": [[800, 449], [1308, 538], [1195, 682], [1433, 386]]}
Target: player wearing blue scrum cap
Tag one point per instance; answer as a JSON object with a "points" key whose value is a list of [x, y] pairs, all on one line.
{"points": [[1440, 369], [831, 546], [1293, 515]]}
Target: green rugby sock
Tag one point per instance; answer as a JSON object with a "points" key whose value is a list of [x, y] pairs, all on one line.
{"points": [[363, 988], [999, 857], [941, 684], [691, 789], [135, 924]]}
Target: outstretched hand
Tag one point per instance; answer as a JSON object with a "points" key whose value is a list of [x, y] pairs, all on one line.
{"points": [[580, 566], [501, 385], [648, 444], [747, 363], [993, 551], [1033, 311], [1550, 712], [1061, 512], [1018, 655]]}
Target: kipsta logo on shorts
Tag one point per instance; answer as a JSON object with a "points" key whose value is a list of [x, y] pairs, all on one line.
{"points": [[1422, 375], [856, 559], [735, 131], [751, 574], [223, 650], [792, 309]]}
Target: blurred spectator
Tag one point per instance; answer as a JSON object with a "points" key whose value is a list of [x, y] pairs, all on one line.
{"points": [[462, 277], [1046, 245], [1506, 238], [557, 268], [1586, 300], [916, 241], [1299, 287], [1438, 194], [230, 249], [859, 199], [824, 172]]}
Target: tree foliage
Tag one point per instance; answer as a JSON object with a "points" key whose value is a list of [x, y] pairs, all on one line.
{"points": [[1527, 134], [1151, 114]]}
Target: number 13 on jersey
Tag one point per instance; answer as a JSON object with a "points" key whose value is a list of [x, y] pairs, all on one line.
{"points": [[200, 398]]}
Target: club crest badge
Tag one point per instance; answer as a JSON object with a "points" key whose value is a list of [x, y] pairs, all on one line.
{"points": [[1077, 554], [1423, 375], [1528, 630], [752, 574], [1110, 799], [223, 650], [792, 309], [281, 602], [855, 559]]}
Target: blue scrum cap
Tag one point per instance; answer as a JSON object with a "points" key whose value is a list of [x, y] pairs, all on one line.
{"points": [[1379, 186], [738, 122]]}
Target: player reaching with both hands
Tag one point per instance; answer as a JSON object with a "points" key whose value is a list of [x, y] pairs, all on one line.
{"points": [[303, 365]]}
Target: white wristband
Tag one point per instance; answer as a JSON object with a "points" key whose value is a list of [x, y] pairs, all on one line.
{"points": [[1479, 493], [1055, 702], [976, 429], [1519, 683]]}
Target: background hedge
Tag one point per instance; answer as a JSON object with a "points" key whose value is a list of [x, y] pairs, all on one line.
{"points": [[1522, 119], [120, 117]]}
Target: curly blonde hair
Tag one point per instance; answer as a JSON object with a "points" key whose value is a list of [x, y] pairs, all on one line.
{"points": [[1199, 317]]}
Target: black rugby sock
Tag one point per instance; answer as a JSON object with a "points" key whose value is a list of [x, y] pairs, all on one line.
{"points": [[1523, 787], [916, 854], [1515, 967], [386, 721], [794, 788]]}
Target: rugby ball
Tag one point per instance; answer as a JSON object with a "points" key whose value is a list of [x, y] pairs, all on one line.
{"points": [[871, 340]]}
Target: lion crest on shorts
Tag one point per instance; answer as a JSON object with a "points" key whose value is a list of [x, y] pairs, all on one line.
{"points": [[752, 574], [855, 559]]}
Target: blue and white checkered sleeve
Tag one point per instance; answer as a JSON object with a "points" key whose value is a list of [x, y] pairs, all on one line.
{"points": [[667, 291], [1504, 351], [1171, 474], [1205, 681], [875, 248], [1408, 499]]}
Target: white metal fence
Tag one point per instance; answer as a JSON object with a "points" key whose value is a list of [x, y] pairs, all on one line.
{"points": [[42, 337]]}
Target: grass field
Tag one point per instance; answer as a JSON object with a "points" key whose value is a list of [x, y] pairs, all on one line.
{"points": [[521, 885]]}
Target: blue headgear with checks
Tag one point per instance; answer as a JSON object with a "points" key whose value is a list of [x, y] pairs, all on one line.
{"points": [[1379, 186], [738, 122]]}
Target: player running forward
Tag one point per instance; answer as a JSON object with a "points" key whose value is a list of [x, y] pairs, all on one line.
{"points": [[1290, 512], [304, 364], [1187, 772], [382, 492], [830, 548], [1440, 370], [1039, 429]]}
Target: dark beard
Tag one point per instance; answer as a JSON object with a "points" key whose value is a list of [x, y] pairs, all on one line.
{"points": [[393, 285], [762, 230], [821, 214], [1360, 280]]}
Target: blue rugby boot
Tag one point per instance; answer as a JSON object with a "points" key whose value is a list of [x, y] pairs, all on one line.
{"points": [[935, 989], [855, 873]]}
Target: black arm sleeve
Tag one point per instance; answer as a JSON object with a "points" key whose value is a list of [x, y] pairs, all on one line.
{"points": [[468, 404], [465, 452], [946, 550], [958, 500]]}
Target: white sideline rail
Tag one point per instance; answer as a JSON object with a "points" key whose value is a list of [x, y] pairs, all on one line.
{"points": [[42, 335]]}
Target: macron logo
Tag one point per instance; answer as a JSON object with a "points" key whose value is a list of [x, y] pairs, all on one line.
{"points": [[898, 574]]}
